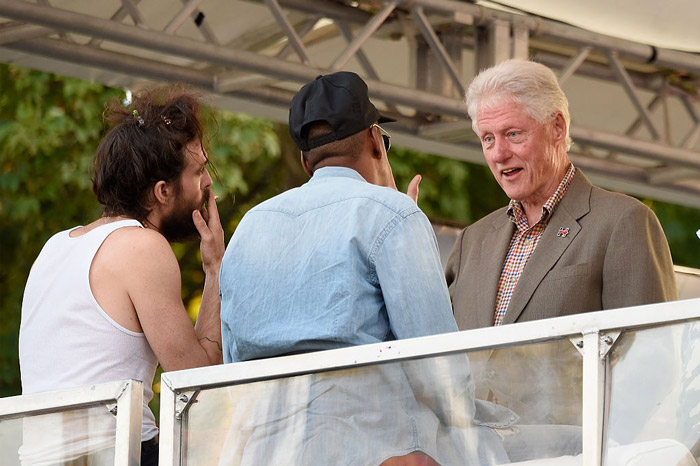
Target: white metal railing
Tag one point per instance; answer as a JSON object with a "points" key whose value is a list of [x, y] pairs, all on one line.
{"points": [[121, 399], [595, 335]]}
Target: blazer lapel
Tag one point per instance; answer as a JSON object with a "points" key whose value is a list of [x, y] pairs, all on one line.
{"points": [[574, 205]]}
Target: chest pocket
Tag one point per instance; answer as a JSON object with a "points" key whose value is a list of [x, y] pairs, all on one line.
{"points": [[570, 271]]}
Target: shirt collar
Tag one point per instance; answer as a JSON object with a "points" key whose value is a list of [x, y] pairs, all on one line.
{"points": [[335, 172], [516, 213]]}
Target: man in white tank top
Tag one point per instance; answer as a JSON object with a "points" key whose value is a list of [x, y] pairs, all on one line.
{"points": [[102, 301]]}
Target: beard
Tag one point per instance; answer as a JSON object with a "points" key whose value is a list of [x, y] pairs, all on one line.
{"points": [[178, 226]]}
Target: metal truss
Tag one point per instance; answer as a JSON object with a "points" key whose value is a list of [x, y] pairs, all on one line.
{"points": [[635, 122]]}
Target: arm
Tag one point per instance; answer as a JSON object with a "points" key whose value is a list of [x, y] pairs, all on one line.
{"points": [[412, 282], [408, 269], [638, 268], [153, 283], [212, 248]]}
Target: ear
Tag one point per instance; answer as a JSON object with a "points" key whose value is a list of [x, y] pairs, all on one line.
{"points": [[377, 142], [162, 192], [305, 165], [559, 127]]}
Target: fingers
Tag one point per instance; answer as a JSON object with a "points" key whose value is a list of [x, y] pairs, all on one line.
{"points": [[212, 209], [212, 245], [200, 223], [209, 220], [412, 190]]}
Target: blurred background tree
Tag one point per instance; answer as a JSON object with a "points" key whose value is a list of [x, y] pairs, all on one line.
{"points": [[50, 127]]}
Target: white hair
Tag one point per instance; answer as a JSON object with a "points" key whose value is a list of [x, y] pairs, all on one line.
{"points": [[530, 84]]}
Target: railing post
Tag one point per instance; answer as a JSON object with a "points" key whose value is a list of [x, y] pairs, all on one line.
{"points": [[170, 427], [593, 399], [127, 445]]}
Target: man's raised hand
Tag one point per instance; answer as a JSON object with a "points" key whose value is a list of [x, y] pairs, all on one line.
{"points": [[211, 232], [412, 190]]}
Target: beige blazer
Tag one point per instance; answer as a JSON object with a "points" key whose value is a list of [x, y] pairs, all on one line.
{"points": [[614, 255]]}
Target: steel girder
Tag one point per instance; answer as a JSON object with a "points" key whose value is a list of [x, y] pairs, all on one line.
{"points": [[634, 107]]}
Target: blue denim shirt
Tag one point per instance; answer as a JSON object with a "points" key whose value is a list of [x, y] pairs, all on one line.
{"points": [[336, 262]]}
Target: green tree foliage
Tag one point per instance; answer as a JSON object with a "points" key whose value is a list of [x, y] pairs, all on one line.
{"points": [[451, 191], [50, 127], [680, 224]]}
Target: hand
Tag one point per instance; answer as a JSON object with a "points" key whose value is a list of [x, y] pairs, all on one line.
{"points": [[412, 190], [211, 233]]}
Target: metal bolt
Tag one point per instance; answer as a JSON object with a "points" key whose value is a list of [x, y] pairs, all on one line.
{"points": [[183, 398], [579, 343], [608, 339]]}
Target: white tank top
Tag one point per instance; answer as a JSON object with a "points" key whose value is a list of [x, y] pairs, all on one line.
{"points": [[66, 339]]}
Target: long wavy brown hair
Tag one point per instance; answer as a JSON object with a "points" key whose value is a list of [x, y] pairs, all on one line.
{"points": [[145, 144]]}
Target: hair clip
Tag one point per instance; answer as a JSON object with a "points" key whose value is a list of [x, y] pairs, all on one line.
{"points": [[138, 117], [166, 120]]}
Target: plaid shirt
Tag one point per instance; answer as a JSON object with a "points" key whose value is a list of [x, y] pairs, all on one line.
{"points": [[523, 244]]}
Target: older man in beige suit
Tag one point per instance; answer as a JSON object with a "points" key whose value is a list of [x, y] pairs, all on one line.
{"points": [[562, 246]]}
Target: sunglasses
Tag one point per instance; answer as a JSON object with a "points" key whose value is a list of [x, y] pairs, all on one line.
{"points": [[385, 136]]}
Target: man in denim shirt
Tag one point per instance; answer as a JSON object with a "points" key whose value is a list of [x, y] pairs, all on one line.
{"points": [[343, 260]]}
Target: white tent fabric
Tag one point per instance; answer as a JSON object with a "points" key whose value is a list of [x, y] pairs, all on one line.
{"points": [[671, 24]]}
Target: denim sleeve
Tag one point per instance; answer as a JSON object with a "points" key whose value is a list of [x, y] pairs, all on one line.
{"points": [[417, 301], [227, 341], [410, 275]]}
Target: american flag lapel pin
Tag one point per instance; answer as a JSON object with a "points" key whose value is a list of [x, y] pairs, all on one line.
{"points": [[562, 232]]}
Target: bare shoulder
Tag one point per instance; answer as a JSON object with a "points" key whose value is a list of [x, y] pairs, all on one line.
{"points": [[132, 246]]}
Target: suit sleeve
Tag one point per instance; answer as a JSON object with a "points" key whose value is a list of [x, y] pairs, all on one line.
{"points": [[638, 268], [454, 260]]}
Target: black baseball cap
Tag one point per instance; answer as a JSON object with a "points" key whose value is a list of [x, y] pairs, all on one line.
{"points": [[341, 100]]}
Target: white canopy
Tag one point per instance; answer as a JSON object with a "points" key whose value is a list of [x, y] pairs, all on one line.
{"points": [[671, 24], [633, 99]]}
